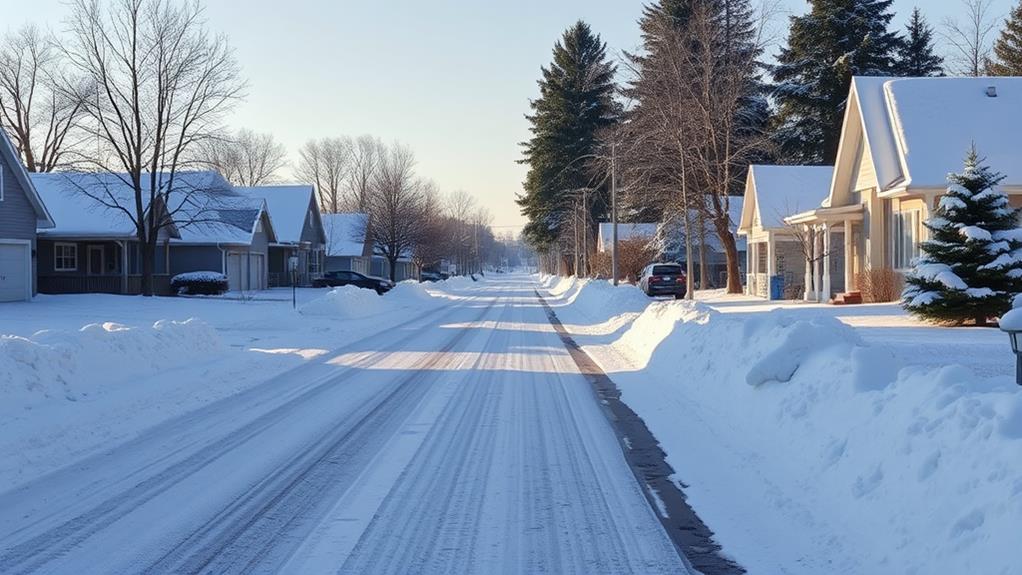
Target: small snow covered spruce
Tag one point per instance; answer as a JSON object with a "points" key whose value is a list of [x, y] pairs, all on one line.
{"points": [[971, 268]]}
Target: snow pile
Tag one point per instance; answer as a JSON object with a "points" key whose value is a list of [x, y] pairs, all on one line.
{"points": [[345, 302], [411, 293], [72, 364], [856, 463]]}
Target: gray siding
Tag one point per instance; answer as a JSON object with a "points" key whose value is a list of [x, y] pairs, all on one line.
{"points": [[185, 258], [17, 216]]}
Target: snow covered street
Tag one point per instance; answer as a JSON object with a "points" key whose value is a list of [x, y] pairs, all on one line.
{"points": [[460, 439]]}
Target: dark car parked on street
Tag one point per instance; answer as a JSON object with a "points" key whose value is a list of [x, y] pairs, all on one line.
{"points": [[663, 279], [335, 279]]}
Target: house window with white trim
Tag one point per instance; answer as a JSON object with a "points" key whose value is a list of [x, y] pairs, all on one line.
{"points": [[65, 257], [907, 233]]}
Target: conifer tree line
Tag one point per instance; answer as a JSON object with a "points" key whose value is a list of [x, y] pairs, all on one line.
{"points": [[679, 120]]}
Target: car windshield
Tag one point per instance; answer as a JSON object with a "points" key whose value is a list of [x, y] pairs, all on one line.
{"points": [[666, 270]]}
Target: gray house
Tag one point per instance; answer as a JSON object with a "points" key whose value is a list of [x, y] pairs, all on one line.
{"points": [[348, 247], [93, 248], [299, 232], [22, 211], [228, 234]]}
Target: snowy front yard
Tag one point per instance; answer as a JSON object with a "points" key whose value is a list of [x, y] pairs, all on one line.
{"points": [[79, 373], [818, 439]]}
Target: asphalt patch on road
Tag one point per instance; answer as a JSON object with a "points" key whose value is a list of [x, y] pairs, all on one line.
{"points": [[648, 462]]}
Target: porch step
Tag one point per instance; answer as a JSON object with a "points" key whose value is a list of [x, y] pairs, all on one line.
{"points": [[848, 298]]}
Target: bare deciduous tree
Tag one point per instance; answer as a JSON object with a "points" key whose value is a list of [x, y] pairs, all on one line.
{"points": [[395, 205], [326, 163], [245, 158], [162, 85], [366, 154], [970, 39], [40, 118]]}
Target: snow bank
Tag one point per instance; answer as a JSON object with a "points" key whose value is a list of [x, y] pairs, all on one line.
{"points": [[808, 450], [345, 302], [411, 293], [71, 364]]}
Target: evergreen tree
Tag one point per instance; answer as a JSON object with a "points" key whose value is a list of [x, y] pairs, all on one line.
{"points": [[1008, 48], [836, 40], [916, 56], [972, 266], [575, 104]]}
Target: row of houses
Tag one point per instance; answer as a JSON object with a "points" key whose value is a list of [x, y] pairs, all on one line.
{"points": [[825, 232], [64, 233]]}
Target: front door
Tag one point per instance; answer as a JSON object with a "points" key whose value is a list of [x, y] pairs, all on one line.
{"points": [[96, 260]]}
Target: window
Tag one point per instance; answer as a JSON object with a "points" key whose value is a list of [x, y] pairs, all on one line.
{"points": [[906, 235], [314, 261], [65, 257]]}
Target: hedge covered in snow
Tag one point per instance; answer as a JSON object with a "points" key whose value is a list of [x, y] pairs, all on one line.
{"points": [[199, 283]]}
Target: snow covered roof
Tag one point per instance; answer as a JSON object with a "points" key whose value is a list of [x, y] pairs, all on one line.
{"points": [[222, 219], [345, 233], [43, 218], [68, 196], [776, 192], [876, 126], [289, 207], [624, 232]]}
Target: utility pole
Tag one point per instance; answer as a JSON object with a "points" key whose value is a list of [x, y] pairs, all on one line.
{"points": [[613, 211]]}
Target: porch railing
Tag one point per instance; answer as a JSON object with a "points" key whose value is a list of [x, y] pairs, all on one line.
{"points": [[111, 284]]}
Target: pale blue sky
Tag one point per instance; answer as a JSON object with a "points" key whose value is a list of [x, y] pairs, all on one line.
{"points": [[450, 78]]}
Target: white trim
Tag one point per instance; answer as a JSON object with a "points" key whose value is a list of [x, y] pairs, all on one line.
{"points": [[1, 182], [64, 244], [29, 276]]}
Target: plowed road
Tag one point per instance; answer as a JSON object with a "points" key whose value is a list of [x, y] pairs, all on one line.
{"points": [[465, 441]]}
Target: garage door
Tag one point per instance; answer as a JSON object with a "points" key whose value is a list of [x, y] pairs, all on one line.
{"points": [[234, 272], [15, 271], [255, 272]]}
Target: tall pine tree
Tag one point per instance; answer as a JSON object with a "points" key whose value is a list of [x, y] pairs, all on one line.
{"points": [[1008, 48], [972, 266], [916, 55], [575, 104], [836, 40]]}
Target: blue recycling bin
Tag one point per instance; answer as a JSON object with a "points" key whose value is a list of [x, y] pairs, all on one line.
{"points": [[776, 287]]}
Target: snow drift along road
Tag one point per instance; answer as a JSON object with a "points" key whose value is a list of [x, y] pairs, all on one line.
{"points": [[808, 451]]}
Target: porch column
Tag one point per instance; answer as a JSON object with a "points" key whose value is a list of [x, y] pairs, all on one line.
{"points": [[810, 258], [849, 264], [749, 249], [826, 293], [816, 264]]}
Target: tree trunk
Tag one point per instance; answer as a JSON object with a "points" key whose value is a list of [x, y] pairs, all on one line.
{"points": [[703, 267], [727, 239], [393, 268], [147, 250]]}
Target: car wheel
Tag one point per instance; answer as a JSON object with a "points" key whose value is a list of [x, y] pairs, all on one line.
{"points": [[679, 296]]}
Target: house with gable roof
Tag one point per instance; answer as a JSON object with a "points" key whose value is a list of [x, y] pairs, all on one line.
{"points": [[348, 247], [22, 212], [299, 232], [900, 139]]}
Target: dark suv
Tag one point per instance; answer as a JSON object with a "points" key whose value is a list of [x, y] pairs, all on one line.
{"points": [[335, 279], [663, 279]]}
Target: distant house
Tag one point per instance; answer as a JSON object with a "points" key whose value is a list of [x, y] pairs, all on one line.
{"points": [[406, 268], [625, 232], [299, 232], [22, 212], [347, 247], [94, 248], [900, 139], [773, 193], [227, 234]]}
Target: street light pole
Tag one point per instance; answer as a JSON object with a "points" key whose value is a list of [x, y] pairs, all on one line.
{"points": [[613, 211]]}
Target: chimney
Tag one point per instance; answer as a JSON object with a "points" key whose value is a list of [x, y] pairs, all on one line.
{"points": [[991, 91]]}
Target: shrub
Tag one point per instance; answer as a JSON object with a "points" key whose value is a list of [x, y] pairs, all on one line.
{"points": [[199, 283], [880, 285], [633, 255]]}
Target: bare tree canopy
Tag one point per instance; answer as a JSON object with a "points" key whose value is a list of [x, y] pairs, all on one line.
{"points": [[970, 38], [163, 84], [326, 164], [366, 154], [40, 118], [396, 207], [244, 159]]}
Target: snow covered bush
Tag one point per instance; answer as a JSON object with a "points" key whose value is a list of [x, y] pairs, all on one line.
{"points": [[199, 283], [972, 265]]}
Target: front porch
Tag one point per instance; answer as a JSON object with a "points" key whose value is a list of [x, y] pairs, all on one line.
{"points": [[97, 265], [833, 247]]}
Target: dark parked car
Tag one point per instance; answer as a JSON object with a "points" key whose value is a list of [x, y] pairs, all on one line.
{"points": [[335, 279], [429, 277], [663, 279]]}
